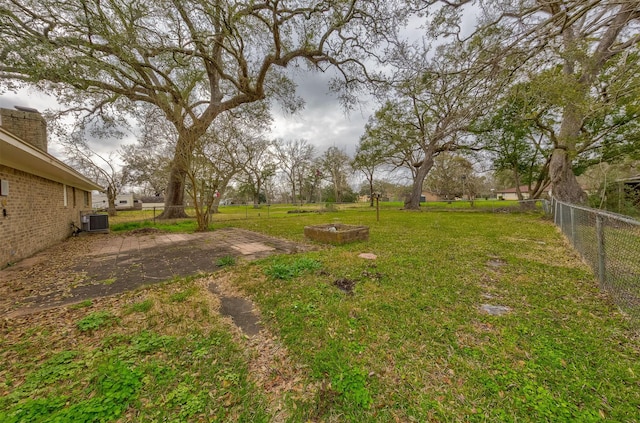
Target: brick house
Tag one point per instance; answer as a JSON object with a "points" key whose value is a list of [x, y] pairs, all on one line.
{"points": [[40, 196]]}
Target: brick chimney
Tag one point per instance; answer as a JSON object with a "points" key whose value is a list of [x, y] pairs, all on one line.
{"points": [[27, 124]]}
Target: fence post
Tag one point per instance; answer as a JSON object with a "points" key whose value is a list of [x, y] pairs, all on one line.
{"points": [[573, 226], [601, 253], [154, 216], [561, 220]]}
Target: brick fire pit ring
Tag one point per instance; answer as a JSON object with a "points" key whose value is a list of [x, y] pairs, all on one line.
{"points": [[336, 233]]}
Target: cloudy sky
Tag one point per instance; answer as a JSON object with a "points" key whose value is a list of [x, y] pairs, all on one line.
{"points": [[323, 121]]}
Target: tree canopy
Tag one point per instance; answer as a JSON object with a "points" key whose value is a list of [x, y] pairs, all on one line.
{"points": [[191, 59]]}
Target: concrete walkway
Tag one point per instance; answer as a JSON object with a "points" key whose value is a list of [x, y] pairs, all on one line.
{"points": [[101, 265]]}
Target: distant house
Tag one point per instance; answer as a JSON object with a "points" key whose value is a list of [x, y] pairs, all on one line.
{"points": [[430, 196], [150, 202], [511, 193], [123, 202], [630, 188], [40, 196]]}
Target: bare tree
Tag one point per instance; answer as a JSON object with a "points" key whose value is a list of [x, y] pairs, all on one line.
{"points": [[259, 169], [452, 176], [222, 153], [148, 161], [100, 168], [295, 158], [371, 153], [335, 163]]}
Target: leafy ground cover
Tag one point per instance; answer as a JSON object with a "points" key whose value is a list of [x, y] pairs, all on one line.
{"points": [[404, 337]]}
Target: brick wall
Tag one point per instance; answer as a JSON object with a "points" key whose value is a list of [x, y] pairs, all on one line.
{"points": [[36, 216], [28, 126]]}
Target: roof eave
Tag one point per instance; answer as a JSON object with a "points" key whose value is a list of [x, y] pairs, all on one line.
{"points": [[18, 154]]}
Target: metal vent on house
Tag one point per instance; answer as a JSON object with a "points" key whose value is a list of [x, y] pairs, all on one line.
{"points": [[95, 222]]}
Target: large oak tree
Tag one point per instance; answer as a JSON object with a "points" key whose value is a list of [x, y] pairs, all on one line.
{"points": [[579, 45], [191, 59], [433, 100]]}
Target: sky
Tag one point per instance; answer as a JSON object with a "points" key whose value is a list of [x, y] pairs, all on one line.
{"points": [[323, 121]]}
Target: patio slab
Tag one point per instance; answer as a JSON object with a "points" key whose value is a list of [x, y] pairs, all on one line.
{"points": [[99, 265]]}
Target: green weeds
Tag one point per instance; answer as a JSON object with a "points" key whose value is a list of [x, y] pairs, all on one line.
{"points": [[82, 304], [141, 307], [226, 261], [352, 385], [160, 368], [182, 296], [95, 321], [290, 269]]}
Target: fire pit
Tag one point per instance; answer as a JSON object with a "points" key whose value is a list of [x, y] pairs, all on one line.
{"points": [[336, 233]]}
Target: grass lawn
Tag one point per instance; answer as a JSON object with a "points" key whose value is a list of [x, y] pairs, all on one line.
{"points": [[403, 337], [130, 219]]}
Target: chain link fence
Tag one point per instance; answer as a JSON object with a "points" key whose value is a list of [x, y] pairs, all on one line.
{"points": [[610, 244]]}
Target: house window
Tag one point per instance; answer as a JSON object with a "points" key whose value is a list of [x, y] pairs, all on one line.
{"points": [[64, 194], [123, 202], [73, 193], [86, 198]]}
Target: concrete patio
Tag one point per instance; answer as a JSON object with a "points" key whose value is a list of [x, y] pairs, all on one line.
{"points": [[106, 264]]}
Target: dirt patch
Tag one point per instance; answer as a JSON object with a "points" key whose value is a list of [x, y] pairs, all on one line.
{"points": [[344, 284], [372, 275], [239, 309], [495, 310], [496, 263], [269, 363]]}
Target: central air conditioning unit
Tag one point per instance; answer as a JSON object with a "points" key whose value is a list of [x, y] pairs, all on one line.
{"points": [[95, 222]]}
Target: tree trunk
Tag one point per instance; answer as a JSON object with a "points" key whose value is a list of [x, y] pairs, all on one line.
{"points": [[174, 197], [293, 193], [413, 202], [256, 196], [371, 192], [111, 202], [174, 194], [516, 177], [564, 185], [215, 206]]}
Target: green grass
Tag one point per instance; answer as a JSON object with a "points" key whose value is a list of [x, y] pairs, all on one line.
{"points": [[179, 363], [127, 220], [409, 342], [412, 337], [288, 269]]}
